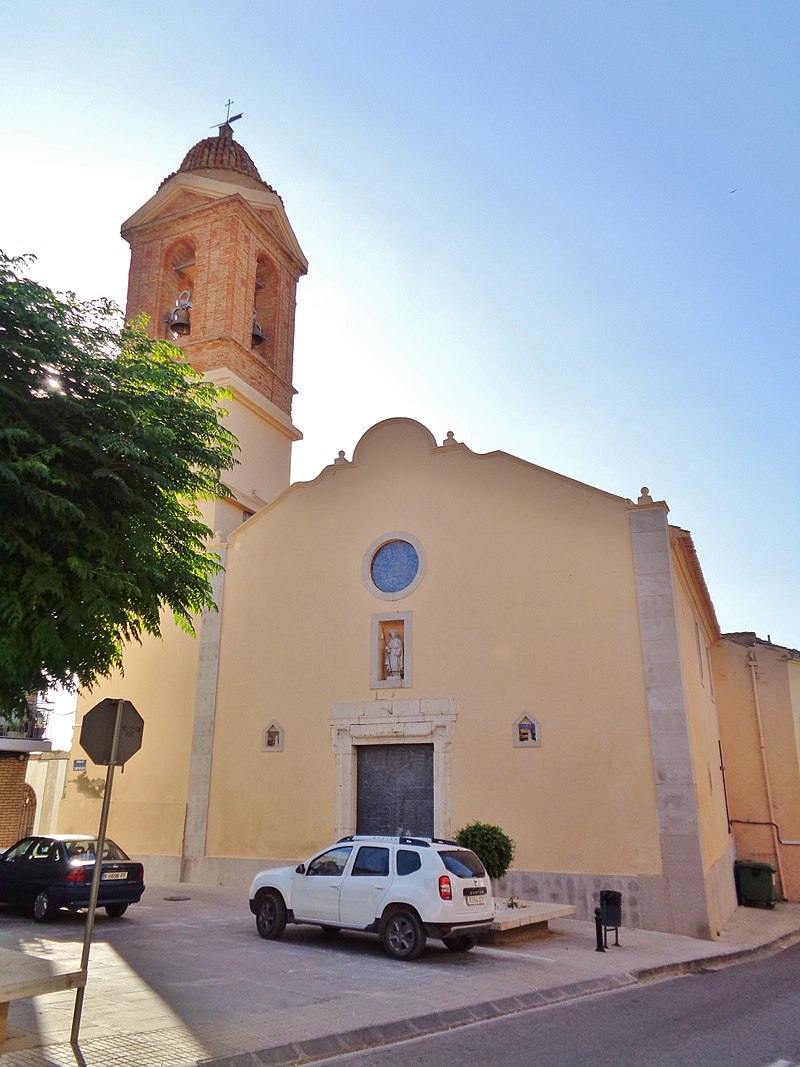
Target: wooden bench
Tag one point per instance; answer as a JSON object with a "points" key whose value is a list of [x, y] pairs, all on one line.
{"points": [[528, 920], [23, 976]]}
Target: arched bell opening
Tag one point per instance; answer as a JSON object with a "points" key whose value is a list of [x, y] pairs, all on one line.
{"points": [[179, 275], [265, 304]]}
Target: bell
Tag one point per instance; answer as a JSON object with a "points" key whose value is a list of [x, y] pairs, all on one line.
{"points": [[179, 322], [178, 319], [259, 337]]}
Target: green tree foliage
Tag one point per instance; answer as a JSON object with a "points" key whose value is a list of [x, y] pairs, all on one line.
{"points": [[491, 845], [108, 440]]}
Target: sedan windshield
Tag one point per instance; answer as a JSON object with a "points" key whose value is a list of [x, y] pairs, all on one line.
{"points": [[84, 848]]}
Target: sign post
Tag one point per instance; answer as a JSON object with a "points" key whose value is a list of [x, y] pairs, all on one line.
{"points": [[111, 733]]}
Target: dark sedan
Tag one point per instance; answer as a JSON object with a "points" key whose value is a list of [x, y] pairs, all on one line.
{"points": [[52, 872]]}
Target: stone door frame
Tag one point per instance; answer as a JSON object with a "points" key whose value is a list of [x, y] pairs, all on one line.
{"points": [[387, 722]]}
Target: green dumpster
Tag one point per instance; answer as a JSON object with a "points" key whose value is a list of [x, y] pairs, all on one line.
{"points": [[754, 883]]}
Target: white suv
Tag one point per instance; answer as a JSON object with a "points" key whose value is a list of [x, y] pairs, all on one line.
{"points": [[405, 889]]}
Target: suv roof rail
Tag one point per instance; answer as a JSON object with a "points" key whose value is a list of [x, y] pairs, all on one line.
{"points": [[424, 842], [445, 841]]}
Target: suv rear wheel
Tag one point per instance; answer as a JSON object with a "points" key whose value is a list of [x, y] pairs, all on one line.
{"points": [[460, 942], [271, 915], [403, 935]]}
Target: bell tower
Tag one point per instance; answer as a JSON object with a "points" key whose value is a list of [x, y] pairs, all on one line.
{"points": [[214, 267]]}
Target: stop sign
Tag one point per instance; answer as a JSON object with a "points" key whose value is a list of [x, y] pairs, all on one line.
{"points": [[97, 732]]}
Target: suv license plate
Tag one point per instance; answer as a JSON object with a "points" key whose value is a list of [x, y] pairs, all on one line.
{"points": [[475, 895], [113, 876]]}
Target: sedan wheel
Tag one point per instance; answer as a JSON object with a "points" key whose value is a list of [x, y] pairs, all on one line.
{"points": [[271, 916], [43, 907], [116, 911], [403, 936]]}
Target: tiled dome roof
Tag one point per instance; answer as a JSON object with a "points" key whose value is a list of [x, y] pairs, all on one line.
{"points": [[220, 153]]}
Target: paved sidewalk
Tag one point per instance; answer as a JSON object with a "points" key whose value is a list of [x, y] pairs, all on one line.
{"points": [[184, 980]]}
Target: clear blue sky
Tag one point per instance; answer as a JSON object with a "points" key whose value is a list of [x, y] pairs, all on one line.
{"points": [[568, 230]]}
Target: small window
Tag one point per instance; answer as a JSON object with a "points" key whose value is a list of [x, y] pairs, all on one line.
{"points": [[463, 864], [393, 566], [371, 861], [407, 862], [330, 864], [710, 675], [699, 651]]}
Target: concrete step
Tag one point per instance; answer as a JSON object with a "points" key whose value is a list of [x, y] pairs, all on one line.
{"points": [[527, 920]]}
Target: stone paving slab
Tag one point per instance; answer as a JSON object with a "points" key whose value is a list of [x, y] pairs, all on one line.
{"points": [[181, 984]]}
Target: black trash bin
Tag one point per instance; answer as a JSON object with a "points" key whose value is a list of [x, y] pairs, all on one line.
{"points": [[610, 913], [755, 884]]}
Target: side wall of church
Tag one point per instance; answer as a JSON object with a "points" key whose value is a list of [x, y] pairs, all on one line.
{"points": [[149, 801], [696, 637]]}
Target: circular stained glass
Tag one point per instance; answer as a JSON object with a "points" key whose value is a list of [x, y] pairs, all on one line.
{"points": [[394, 566]]}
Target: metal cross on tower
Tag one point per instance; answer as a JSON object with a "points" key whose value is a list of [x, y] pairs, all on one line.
{"points": [[228, 117]]}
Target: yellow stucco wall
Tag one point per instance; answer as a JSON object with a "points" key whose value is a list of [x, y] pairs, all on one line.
{"points": [[264, 435], [528, 605], [777, 692], [148, 805], [696, 635], [793, 670]]}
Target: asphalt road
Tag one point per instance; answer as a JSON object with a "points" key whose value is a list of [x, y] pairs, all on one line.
{"points": [[742, 1016]]}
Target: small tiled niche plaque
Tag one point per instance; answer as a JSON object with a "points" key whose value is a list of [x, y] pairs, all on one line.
{"points": [[527, 732], [390, 660], [272, 737]]}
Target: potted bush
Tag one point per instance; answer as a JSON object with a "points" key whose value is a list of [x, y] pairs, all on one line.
{"points": [[491, 845]]}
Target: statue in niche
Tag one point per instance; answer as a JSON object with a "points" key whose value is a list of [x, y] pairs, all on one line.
{"points": [[393, 656]]}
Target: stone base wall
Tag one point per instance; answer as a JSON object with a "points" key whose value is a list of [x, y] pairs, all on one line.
{"points": [[207, 871], [722, 887], [644, 898]]}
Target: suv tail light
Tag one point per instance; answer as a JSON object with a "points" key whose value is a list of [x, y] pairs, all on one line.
{"points": [[77, 874], [445, 889]]}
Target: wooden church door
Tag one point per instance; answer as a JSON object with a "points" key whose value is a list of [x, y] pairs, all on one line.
{"points": [[395, 790]]}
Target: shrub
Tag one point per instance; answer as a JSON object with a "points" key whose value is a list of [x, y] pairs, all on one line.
{"points": [[491, 845]]}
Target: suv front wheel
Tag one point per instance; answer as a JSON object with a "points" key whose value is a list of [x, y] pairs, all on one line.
{"points": [[403, 935], [270, 915]]}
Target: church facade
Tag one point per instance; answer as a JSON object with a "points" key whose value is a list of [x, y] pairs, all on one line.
{"points": [[421, 637]]}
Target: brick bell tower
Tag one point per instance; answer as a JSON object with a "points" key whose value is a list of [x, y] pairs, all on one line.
{"points": [[214, 267]]}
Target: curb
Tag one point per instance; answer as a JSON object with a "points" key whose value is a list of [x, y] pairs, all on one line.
{"points": [[716, 963], [369, 1037]]}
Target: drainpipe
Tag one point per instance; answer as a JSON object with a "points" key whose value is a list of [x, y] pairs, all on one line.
{"points": [[751, 663]]}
